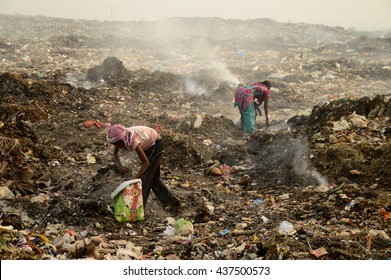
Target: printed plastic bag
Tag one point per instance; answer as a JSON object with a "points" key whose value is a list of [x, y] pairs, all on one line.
{"points": [[128, 201]]}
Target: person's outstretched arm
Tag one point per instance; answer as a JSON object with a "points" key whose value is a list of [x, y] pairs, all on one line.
{"points": [[144, 161], [266, 107], [117, 160]]}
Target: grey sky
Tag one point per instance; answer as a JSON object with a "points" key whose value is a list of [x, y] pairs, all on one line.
{"points": [[360, 14]]}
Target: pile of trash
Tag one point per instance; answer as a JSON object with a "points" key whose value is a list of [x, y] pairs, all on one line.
{"points": [[112, 71]]}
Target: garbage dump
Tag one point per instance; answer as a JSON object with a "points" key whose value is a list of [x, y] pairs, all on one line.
{"points": [[314, 185]]}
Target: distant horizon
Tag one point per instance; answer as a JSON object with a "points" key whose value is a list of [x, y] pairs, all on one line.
{"points": [[367, 29], [360, 15]]}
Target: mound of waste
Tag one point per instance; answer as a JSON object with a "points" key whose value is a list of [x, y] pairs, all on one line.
{"points": [[111, 71]]}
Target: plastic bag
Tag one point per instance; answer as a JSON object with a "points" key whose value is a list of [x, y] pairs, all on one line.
{"points": [[286, 228], [128, 201]]}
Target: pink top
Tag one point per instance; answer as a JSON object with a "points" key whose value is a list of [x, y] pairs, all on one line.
{"points": [[145, 136], [261, 90]]}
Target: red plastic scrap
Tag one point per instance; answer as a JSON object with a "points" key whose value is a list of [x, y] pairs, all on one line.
{"points": [[90, 123], [385, 214], [226, 170], [71, 232]]}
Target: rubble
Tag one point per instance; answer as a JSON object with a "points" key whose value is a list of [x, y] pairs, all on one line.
{"points": [[314, 185]]}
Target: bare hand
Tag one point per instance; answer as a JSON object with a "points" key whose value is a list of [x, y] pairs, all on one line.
{"points": [[124, 169]]}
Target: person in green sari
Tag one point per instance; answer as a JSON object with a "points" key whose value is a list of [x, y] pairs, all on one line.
{"points": [[244, 100]]}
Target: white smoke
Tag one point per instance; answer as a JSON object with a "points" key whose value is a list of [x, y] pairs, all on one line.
{"points": [[193, 87], [224, 74], [302, 166]]}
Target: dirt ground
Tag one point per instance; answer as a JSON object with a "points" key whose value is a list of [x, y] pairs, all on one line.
{"points": [[323, 166]]}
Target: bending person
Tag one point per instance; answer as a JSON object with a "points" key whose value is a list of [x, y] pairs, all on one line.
{"points": [[148, 145], [244, 100]]}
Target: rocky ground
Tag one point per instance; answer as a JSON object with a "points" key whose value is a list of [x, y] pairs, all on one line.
{"points": [[314, 185]]}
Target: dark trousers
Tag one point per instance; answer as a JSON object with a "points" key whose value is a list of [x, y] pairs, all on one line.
{"points": [[151, 177]]}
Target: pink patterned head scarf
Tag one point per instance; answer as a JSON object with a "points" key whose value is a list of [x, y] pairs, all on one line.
{"points": [[118, 132]]}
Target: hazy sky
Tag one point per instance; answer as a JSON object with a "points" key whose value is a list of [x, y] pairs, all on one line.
{"points": [[359, 14]]}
